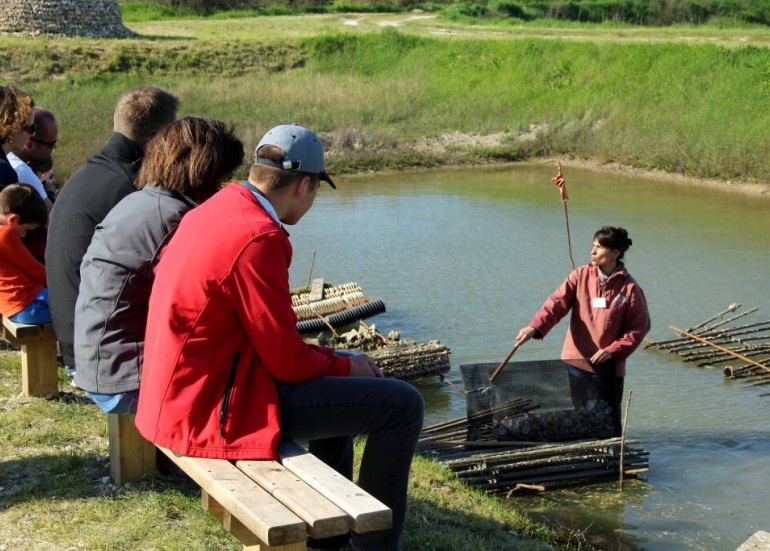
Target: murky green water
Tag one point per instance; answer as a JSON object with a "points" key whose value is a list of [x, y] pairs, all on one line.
{"points": [[468, 256]]}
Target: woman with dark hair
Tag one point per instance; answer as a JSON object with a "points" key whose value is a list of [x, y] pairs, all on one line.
{"points": [[608, 322], [184, 165]]}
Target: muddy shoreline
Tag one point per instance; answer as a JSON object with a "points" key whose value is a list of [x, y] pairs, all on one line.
{"points": [[450, 143], [748, 188]]}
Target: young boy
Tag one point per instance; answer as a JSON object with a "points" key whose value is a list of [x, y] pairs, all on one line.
{"points": [[23, 294]]}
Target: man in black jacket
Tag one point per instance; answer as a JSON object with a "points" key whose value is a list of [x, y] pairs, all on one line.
{"points": [[90, 193]]}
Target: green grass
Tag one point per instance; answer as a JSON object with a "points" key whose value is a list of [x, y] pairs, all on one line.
{"points": [[688, 100], [55, 492]]}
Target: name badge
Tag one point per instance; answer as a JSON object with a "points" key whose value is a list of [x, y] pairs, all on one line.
{"points": [[599, 302]]}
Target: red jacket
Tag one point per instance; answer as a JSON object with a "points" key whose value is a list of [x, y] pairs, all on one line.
{"points": [[22, 277], [220, 331], [619, 328]]}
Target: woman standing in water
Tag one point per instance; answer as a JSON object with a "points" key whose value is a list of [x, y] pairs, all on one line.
{"points": [[608, 322]]}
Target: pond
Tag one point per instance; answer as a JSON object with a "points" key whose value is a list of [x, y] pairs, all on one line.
{"points": [[468, 256]]}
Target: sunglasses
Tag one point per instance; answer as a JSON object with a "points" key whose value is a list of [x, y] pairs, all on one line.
{"points": [[52, 144], [30, 128]]}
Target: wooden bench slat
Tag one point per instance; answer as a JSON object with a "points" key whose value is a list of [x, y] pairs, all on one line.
{"points": [[259, 512], [366, 513], [22, 330], [324, 519], [235, 527]]}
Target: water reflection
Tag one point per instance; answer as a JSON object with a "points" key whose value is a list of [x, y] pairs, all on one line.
{"points": [[469, 256]]}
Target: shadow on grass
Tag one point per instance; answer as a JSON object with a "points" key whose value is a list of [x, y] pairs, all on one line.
{"points": [[163, 38], [73, 475], [434, 527]]}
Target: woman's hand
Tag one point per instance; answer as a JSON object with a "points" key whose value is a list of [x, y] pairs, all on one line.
{"points": [[525, 333], [363, 365], [600, 357]]}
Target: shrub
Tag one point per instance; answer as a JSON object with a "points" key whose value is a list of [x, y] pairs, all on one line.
{"points": [[206, 6], [508, 8]]}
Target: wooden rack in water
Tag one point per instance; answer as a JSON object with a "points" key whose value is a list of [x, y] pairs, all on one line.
{"points": [[715, 341], [508, 466]]}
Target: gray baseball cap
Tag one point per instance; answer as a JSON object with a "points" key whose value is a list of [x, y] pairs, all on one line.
{"points": [[302, 150]]}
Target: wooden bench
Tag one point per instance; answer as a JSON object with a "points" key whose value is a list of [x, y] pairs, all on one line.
{"points": [[267, 505], [38, 356]]}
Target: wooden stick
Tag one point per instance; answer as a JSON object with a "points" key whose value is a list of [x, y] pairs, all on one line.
{"points": [[623, 438], [569, 237], [535, 487], [722, 348], [502, 364], [310, 275], [329, 325], [732, 308]]}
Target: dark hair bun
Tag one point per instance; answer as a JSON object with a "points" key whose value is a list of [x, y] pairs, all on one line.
{"points": [[614, 238]]}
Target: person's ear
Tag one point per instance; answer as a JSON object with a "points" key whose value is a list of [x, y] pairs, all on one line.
{"points": [[12, 219], [303, 185]]}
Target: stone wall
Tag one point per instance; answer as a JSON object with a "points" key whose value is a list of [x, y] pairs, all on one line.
{"points": [[90, 18]]}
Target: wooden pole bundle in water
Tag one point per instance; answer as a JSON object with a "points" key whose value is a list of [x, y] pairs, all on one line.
{"points": [[505, 469], [732, 308], [673, 345], [665, 343], [735, 334], [717, 356], [512, 407], [721, 348], [743, 371]]}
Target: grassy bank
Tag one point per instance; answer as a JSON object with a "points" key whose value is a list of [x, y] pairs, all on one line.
{"points": [[654, 101], [55, 492]]}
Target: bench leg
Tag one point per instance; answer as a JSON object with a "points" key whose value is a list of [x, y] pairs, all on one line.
{"points": [[250, 541], [131, 456], [38, 368]]}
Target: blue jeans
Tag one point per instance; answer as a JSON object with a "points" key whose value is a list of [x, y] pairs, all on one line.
{"points": [[36, 312], [123, 402], [330, 410]]}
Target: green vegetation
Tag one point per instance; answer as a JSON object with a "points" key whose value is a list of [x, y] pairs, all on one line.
{"points": [[695, 106], [56, 494], [683, 99], [634, 12]]}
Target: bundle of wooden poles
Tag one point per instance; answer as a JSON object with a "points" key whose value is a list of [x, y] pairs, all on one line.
{"points": [[408, 360], [508, 466], [721, 339]]}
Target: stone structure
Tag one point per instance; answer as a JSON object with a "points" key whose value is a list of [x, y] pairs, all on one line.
{"points": [[89, 18]]}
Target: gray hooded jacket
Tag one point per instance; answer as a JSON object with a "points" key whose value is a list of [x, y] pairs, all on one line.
{"points": [[116, 279]]}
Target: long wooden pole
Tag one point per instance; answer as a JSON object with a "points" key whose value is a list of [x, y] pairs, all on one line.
{"points": [[623, 437], [722, 348], [310, 274], [569, 237], [500, 367]]}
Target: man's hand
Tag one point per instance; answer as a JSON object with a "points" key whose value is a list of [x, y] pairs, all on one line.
{"points": [[363, 365]]}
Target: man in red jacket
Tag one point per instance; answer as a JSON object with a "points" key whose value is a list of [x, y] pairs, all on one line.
{"points": [[226, 375]]}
